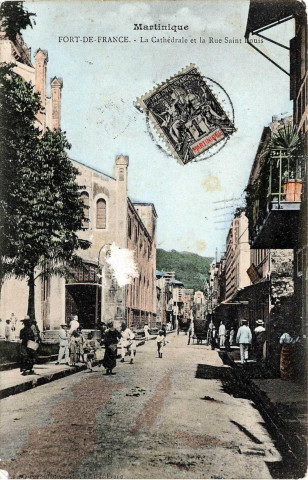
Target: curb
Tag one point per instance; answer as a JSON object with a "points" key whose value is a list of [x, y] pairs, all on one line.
{"points": [[36, 382], [291, 444], [28, 385]]}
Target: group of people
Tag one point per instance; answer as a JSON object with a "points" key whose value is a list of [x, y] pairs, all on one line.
{"points": [[12, 329], [225, 337], [245, 338], [75, 348]]}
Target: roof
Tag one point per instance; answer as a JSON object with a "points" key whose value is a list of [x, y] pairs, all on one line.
{"points": [[263, 13], [92, 168], [159, 274], [176, 282], [146, 204]]}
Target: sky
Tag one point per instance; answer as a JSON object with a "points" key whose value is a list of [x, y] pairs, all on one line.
{"points": [[101, 81]]}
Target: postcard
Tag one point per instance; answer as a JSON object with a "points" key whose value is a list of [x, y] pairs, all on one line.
{"points": [[153, 239]]}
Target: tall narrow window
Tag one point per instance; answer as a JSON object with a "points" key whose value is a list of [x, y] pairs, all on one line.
{"points": [[129, 227], [101, 213], [85, 198]]}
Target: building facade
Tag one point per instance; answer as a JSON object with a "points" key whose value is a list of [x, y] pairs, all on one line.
{"points": [[199, 305], [91, 292]]}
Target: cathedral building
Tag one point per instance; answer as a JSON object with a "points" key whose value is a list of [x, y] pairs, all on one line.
{"points": [[111, 218]]}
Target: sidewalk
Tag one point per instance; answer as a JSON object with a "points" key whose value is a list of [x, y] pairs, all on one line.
{"points": [[12, 382], [283, 404]]}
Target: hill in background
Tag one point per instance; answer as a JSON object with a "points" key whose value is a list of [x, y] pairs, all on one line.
{"points": [[189, 268]]}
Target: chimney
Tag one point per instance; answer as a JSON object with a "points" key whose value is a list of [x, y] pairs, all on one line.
{"points": [[41, 59], [56, 87]]}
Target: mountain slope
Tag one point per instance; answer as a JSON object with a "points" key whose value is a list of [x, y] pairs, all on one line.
{"points": [[189, 268]]}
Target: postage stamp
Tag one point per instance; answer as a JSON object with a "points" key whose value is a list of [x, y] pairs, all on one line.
{"points": [[186, 115]]}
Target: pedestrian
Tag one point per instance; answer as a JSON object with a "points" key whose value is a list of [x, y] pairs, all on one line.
{"points": [[102, 328], [74, 347], [8, 330], [36, 331], [161, 342], [231, 336], [287, 355], [227, 340], [63, 345], [146, 332], [191, 331], [222, 334], [110, 341], [209, 333], [128, 343], [259, 332], [243, 337], [74, 325], [164, 329], [28, 348], [16, 327], [80, 344], [90, 347], [213, 338]]}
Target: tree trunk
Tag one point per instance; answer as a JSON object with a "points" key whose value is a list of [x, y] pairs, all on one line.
{"points": [[31, 309]]}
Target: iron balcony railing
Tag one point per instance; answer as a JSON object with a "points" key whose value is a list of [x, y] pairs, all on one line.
{"points": [[278, 187]]}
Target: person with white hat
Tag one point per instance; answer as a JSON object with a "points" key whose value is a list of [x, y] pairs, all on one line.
{"points": [[259, 332], [243, 337], [63, 345]]}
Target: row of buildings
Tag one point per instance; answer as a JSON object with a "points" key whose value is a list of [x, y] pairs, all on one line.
{"points": [[263, 272], [110, 217], [176, 304]]}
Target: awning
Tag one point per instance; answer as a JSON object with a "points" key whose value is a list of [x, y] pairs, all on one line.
{"points": [[263, 13]]}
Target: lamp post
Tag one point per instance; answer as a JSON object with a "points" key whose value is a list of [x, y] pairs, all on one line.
{"points": [[97, 285]]}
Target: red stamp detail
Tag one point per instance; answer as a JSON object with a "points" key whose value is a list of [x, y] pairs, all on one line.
{"points": [[207, 141]]}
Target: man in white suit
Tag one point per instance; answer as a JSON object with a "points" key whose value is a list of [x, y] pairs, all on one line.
{"points": [[244, 337], [63, 345]]}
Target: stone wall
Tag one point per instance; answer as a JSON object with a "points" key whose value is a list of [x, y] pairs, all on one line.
{"points": [[282, 305]]}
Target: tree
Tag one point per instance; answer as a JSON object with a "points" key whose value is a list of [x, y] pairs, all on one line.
{"points": [[14, 18], [40, 202], [18, 136]]}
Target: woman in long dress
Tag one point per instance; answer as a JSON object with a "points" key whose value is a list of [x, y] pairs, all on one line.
{"points": [[27, 355], [111, 339]]}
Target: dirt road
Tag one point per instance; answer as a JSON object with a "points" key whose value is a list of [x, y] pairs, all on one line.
{"points": [[159, 418]]}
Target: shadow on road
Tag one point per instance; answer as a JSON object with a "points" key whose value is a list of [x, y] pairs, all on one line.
{"points": [[230, 384]]}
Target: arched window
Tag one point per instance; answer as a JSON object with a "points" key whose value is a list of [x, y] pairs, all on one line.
{"points": [[85, 198], [101, 213]]}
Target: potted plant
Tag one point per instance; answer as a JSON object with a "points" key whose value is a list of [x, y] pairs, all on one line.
{"points": [[289, 141]]}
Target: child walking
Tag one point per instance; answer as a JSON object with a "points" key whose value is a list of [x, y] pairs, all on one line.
{"points": [[161, 342]]}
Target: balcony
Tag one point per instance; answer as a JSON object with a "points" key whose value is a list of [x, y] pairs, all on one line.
{"points": [[301, 105], [274, 201]]}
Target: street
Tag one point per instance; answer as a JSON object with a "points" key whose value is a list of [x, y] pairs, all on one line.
{"points": [[158, 418]]}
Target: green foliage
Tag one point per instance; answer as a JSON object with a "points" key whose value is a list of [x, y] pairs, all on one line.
{"points": [[18, 136], [287, 138], [189, 268], [290, 141], [40, 203], [14, 18]]}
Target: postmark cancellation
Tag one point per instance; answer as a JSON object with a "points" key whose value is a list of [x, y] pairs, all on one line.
{"points": [[187, 115]]}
